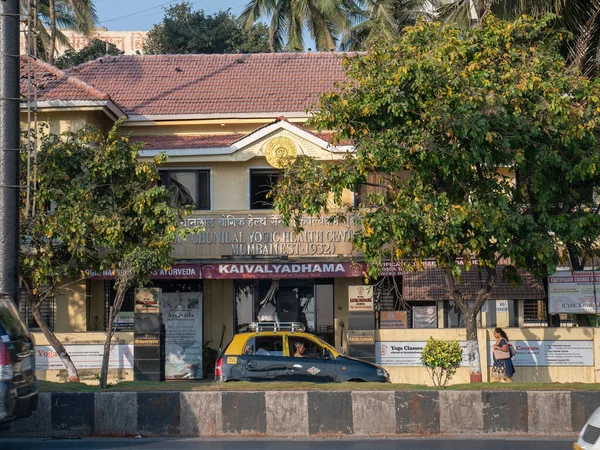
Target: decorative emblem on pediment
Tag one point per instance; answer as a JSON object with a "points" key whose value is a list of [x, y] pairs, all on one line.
{"points": [[280, 152]]}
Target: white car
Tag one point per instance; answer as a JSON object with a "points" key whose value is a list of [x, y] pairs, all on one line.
{"points": [[588, 438]]}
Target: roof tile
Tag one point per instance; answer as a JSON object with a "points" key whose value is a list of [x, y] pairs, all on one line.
{"points": [[214, 84], [53, 83]]}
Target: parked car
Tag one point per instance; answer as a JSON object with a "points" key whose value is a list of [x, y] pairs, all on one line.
{"points": [[588, 437], [18, 385], [284, 352]]}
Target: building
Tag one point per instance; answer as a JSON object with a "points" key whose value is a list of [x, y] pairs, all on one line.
{"points": [[129, 42], [225, 121]]}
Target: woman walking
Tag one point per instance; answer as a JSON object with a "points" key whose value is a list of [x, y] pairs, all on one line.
{"points": [[503, 369]]}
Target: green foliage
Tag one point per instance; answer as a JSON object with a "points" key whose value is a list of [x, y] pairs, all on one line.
{"points": [[94, 49], [441, 358], [486, 145], [449, 118], [186, 31], [95, 206]]}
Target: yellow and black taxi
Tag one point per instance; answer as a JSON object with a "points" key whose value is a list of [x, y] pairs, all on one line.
{"points": [[284, 352]]}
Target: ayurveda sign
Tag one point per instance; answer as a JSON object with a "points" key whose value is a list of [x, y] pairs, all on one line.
{"points": [[243, 235]]}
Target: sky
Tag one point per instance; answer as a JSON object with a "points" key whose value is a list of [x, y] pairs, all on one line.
{"points": [[141, 15]]}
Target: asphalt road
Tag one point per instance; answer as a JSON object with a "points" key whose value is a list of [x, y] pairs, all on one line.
{"points": [[344, 443]]}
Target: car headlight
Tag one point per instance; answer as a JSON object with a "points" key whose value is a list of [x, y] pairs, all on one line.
{"points": [[381, 373]]}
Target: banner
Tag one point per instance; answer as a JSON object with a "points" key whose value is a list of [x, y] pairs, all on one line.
{"points": [[407, 354], [84, 356], [551, 353], [182, 316], [573, 293]]}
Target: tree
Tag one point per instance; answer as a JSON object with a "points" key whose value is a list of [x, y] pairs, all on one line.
{"points": [[468, 129], [581, 18], [94, 49], [324, 20], [186, 31], [96, 207], [46, 16], [384, 20]]}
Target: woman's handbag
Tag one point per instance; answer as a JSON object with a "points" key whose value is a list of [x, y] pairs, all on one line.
{"points": [[499, 354]]}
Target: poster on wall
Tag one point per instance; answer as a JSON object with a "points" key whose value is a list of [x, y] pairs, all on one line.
{"points": [[182, 316], [574, 292], [146, 300], [84, 356], [551, 353], [407, 354], [360, 298]]}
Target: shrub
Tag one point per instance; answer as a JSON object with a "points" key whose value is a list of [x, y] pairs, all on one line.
{"points": [[441, 358]]}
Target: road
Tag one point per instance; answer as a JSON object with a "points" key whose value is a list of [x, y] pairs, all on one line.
{"points": [[343, 443]]}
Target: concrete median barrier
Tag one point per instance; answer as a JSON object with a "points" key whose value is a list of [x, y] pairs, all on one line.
{"points": [[307, 414]]}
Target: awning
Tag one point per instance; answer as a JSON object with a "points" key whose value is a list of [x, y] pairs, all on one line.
{"points": [[430, 284]]}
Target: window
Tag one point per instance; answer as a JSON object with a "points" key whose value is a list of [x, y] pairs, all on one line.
{"points": [[188, 187], [262, 181], [264, 345], [46, 310], [311, 348]]}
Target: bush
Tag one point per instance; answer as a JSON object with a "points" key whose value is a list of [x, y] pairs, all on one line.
{"points": [[441, 358]]}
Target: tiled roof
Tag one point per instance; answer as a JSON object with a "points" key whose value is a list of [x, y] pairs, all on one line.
{"points": [[54, 84], [430, 284], [184, 142], [214, 84]]}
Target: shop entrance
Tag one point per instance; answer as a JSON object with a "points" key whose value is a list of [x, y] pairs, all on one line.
{"points": [[307, 301]]}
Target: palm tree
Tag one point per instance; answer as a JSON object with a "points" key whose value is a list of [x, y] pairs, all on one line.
{"points": [[324, 19], [383, 20], [51, 15], [579, 17]]}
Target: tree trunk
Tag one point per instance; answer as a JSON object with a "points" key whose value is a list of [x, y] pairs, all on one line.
{"points": [[52, 44], [113, 313], [473, 346], [72, 374]]}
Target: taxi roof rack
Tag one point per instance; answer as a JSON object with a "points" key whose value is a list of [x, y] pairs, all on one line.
{"points": [[276, 326]]}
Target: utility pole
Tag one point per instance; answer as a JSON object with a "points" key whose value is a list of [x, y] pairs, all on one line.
{"points": [[9, 147]]}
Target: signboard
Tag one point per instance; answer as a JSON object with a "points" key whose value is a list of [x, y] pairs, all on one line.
{"points": [[265, 235], [573, 292], [146, 300], [407, 354], [502, 306], [150, 339], [551, 353], [182, 316], [177, 272], [360, 298], [124, 321], [282, 270], [84, 356], [360, 337], [424, 317], [393, 319]]}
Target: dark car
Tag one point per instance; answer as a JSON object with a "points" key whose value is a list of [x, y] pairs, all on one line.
{"points": [[284, 352], [18, 385]]}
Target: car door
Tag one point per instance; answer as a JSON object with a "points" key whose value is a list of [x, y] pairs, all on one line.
{"points": [[263, 359], [17, 346], [315, 365]]}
